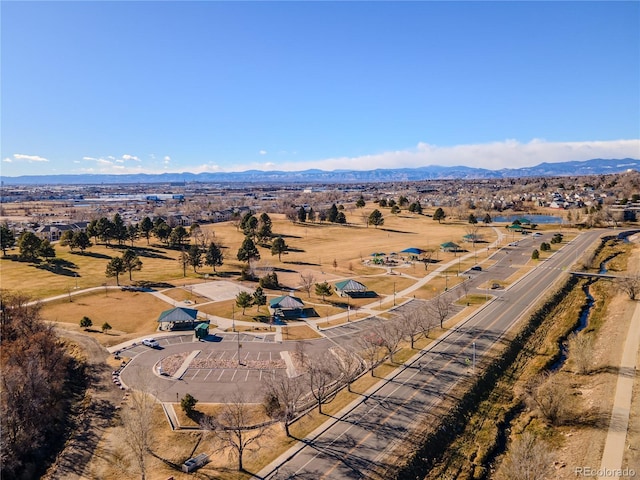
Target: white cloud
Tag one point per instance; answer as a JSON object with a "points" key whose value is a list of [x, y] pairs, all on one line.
{"points": [[29, 158], [130, 157], [263, 152], [206, 167], [167, 159], [7, 160], [495, 155]]}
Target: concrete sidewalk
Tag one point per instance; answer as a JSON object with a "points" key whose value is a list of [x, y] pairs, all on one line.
{"points": [[615, 443]]}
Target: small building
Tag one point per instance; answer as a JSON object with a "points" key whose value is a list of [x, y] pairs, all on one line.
{"points": [[202, 330], [178, 318], [351, 288], [449, 247], [286, 306]]}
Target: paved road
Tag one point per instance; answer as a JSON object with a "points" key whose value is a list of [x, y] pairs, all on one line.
{"points": [[359, 438]]}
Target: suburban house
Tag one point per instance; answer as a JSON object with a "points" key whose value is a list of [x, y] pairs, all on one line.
{"points": [[54, 232]]}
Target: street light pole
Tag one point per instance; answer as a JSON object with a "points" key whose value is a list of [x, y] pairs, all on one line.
{"points": [[474, 357], [394, 294]]}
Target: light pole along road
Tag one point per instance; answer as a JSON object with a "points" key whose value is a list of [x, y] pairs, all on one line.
{"points": [[359, 440]]}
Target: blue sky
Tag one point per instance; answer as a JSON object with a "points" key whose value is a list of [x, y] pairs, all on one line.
{"points": [[122, 87]]}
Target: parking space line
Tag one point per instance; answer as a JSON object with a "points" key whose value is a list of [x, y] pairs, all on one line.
{"points": [[220, 376], [195, 374], [234, 375], [247, 377], [205, 378]]}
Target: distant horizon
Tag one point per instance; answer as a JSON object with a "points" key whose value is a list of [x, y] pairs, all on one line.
{"points": [[595, 166], [151, 87]]}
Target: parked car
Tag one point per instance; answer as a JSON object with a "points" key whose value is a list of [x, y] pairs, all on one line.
{"points": [[150, 342], [477, 268], [537, 234]]}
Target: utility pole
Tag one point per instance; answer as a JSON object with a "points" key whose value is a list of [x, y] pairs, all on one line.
{"points": [[474, 358], [394, 294]]}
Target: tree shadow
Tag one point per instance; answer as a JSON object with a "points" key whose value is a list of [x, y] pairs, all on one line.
{"points": [[93, 255], [303, 263], [59, 267]]}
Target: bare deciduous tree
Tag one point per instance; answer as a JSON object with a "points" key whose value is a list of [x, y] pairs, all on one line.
{"points": [[581, 351], [282, 398], [306, 282], [551, 397], [323, 373], [390, 334], [137, 421], [369, 347], [235, 428], [411, 324], [349, 366], [440, 307], [528, 458], [630, 286]]}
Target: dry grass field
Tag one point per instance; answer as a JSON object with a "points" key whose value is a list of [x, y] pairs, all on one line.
{"points": [[130, 314]]}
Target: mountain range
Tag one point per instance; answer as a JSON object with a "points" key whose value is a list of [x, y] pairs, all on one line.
{"points": [[595, 166]]}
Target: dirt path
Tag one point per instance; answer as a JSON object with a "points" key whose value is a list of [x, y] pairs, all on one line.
{"points": [[93, 416]]}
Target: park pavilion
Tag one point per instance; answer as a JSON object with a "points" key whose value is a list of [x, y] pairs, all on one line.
{"points": [[350, 288], [286, 306], [178, 318]]}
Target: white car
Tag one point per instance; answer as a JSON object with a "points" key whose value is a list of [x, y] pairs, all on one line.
{"points": [[150, 342], [537, 234]]}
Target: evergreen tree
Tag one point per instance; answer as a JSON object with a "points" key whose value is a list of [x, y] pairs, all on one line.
{"points": [[46, 250], [278, 247], [195, 257], [146, 227], [106, 327], [472, 219], [104, 229], [248, 250], [375, 218], [81, 241], [324, 290], [265, 228], [115, 267], [360, 203], [163, 231], [249, 225], [29, 246], [439, 215], [487, 219], [213, 256], [340, 218], [119, 232], [132, 233], [415, 207], [7, 239], [131, 261], [302, 215], [259, 298], [243, 300], [332, 215], [178, 236], [85, 322]]}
